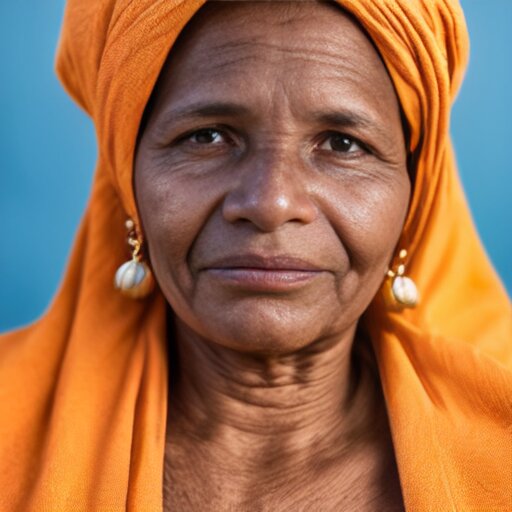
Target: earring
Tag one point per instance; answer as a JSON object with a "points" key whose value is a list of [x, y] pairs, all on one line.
{"points": [[402, 290], [133, 278]]}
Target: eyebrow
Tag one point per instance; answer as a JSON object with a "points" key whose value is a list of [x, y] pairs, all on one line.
{"points": [[202, 109], [350, 119], [342, 118]]}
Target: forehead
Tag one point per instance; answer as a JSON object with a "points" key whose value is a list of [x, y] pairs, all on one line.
{"points": [[310, 49]]}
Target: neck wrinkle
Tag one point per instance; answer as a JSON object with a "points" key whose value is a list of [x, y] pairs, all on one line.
{"points": [[302, 400]]}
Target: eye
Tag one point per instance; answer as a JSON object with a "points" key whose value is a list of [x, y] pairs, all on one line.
{"points": [[207, 136], [341, 143]]}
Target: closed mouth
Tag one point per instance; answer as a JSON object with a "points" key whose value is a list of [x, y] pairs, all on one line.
{"points": [[263, 263], [259, 273]]}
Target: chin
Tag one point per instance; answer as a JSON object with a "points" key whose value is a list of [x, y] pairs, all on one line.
{"points": [[266, 329]]}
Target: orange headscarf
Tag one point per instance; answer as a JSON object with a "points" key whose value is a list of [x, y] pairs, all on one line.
{"points": [[83, 392]]}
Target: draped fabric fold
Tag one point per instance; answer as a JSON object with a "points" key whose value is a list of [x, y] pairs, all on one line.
{"points": [[83, 391]]}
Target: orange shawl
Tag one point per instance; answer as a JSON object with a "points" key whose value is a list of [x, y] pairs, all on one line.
{"points": [[83, 391]]}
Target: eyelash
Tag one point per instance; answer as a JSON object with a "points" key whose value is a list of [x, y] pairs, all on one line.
{"points": [[223, 131], [362, 147], [186, 138]]}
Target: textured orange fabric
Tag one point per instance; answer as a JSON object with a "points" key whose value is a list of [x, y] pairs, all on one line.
{"points": [[83, 391]]}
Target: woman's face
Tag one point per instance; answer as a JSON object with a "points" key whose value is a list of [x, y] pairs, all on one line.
{"points": [[271, 176]]}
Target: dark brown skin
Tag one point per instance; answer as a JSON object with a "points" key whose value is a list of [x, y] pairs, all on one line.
{"points": [[272, 187]]}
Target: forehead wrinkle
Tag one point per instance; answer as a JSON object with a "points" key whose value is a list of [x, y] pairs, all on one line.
{"points": [[318, 47], [228, 53], [283, 12], [227, 40]]}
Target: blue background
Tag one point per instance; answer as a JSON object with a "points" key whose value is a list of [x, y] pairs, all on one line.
{"points": [[48, 153]]}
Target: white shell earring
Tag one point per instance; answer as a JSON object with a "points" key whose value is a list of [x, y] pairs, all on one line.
{"points": [[403, 290], [134, 278]]}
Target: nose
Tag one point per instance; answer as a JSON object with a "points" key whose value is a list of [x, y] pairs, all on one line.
{"points": [[269, 193]]}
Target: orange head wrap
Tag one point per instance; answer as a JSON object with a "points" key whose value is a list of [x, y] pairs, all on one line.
{"points": [[83, 392]]}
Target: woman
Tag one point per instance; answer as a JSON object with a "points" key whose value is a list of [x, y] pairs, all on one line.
{"points": [[284, 178]]}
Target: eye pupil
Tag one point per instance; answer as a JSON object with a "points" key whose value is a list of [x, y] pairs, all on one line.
{"points": [[341, 143], [206, 136]]}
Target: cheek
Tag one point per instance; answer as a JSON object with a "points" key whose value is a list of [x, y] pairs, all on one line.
{"points": [[173, 212], [368, 216]]}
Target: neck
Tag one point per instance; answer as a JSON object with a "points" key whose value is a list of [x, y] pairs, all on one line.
{"points": [[303, 399]]}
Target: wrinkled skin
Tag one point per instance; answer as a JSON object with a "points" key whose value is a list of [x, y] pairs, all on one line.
{"points": [[272, 186]]}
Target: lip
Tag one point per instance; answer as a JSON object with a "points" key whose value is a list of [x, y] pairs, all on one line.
{"points": [[254, 272]]}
